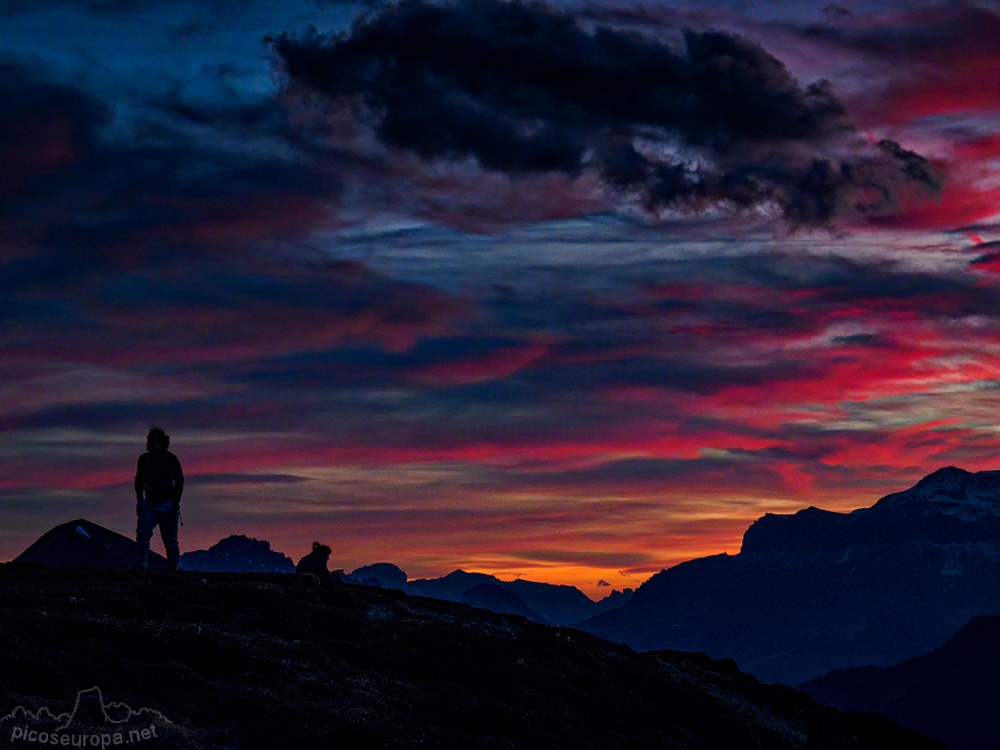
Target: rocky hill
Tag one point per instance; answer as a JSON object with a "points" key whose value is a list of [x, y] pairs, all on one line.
{"points": [[247, 661], [238, 554], [951, 693], [381, 574], [817, 590], [81, 543]]}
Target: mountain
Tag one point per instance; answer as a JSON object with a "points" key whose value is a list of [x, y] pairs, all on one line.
{"points": [[613, 600], [558, 604], [381, 574], [238, 554], [817, 590], [950, 693], [948, 506], [86, 544], [449, 587], [223, 661], [498, 599], [81, 543]]}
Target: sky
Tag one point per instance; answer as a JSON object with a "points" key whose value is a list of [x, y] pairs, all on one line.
{"points": [[571, 292]]}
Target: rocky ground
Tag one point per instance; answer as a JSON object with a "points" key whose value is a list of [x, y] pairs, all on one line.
{"points": [[282, 661]]}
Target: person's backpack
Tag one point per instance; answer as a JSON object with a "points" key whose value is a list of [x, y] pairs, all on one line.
{"points": [[158, 485]]}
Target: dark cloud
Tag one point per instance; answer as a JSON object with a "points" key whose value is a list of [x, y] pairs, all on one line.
{"points": [[185, 181], [45, 128], [988, 260], [171, 316], [751, 471], [834, 12], [523, 88]]}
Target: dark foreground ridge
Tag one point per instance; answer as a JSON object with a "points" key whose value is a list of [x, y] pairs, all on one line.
{"points": [[282, 661], [950, 693]]}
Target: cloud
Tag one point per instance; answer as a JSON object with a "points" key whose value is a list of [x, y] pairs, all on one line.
{"points": [[43, 125], [95, 187], [939, 56], [233, 478], [586, 557], [172, 316], [46, 131], [523, 89]]}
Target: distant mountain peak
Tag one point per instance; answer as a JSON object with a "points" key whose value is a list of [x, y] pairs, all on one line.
{"points": [[238, 553], [240, 544], [948, 477], [947, 472], [969, 495]]}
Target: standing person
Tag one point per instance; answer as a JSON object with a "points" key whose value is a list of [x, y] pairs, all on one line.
{"points": [[159, 483]]}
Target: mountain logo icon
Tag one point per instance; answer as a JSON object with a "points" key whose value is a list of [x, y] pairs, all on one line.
{"points": [[92, 722]]}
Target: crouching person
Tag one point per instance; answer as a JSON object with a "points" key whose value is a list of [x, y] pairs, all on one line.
{"points": [[315, 562]]}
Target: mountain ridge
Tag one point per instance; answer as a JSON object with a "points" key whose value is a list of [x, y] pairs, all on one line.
{"points": [[818, 590], [937, 507], [950, 693], [64, 545]]}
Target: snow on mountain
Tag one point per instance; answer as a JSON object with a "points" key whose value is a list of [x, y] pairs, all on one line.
{"points": [[953, 491]]}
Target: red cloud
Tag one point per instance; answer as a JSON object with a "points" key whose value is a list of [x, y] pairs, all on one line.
{"points": [[494, 365], [982, 147], [962, 201], [226, 317], [940, 59]]}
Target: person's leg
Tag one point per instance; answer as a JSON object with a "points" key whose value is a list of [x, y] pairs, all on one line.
{"points": [[145, 523], [168, 533]]}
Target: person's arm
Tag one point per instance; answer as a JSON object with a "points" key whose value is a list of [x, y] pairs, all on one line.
{"points": [[139, 479], [175, 467]]}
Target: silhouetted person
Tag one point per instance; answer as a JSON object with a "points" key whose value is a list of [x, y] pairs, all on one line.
{"points": [[315, 561], [159, 483]]}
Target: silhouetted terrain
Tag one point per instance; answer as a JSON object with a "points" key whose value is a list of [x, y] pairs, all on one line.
{"points": [[81, 543], [382, 574], [558, 604], [952, 693], [497, 599], [817, 590], [238, 554], [287, 661], [85, 544]]}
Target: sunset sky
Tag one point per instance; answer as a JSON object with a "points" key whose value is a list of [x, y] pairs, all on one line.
{"points": [[569, 291]]}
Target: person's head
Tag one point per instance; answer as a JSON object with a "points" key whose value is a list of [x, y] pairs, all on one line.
{"points": [[157, 440], [321, 549]]}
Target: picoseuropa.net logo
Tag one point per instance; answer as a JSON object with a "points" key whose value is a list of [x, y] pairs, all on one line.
{"points": [[91, 723]]}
